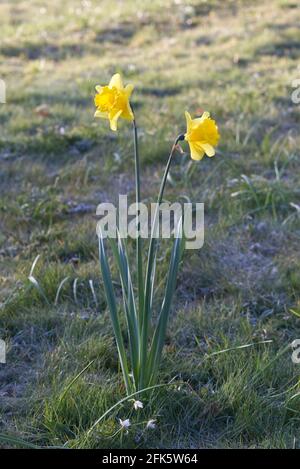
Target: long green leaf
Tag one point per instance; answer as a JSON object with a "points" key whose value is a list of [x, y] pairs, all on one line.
{"points": [[111, 301], [161, 327], [129, 303]]}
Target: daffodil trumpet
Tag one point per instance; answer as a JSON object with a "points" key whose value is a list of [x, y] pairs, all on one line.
{"points": [[140, 363]]}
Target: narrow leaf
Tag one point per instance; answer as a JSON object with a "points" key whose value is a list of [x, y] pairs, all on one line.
{"points": [[111, 301]]}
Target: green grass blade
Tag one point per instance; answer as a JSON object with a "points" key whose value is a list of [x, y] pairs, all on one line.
{"points": [[295, 312], [12, 440], [73, 381]]}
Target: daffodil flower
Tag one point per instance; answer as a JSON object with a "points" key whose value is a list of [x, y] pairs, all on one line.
{"points": [[202, 135], [112, 101]]}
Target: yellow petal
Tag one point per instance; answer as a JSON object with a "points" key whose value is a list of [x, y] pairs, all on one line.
{"points": [[129, 89], [189, 121], [199, 120], [116, 81], [197, 152], [103, 115], [113, 120], [205, 115], [209, 150], [99, 88], [127, 112]]}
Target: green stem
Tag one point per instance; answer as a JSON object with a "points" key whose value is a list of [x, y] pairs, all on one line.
{"points": [[139, 239], [149, 271]]}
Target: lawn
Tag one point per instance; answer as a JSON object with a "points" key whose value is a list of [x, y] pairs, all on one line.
{"points": [[230, 380]]}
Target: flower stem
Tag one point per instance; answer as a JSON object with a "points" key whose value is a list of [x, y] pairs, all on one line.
{"points": [[139, 257], [150, 265]]}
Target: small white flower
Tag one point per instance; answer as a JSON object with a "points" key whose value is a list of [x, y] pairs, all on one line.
{"points": [[125, 423], [138, 405], [151, 424]]}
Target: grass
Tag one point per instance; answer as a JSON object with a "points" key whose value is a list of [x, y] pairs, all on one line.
{"points": [[235, 59]]}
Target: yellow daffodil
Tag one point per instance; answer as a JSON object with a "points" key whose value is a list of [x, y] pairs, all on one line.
{"points": [[112, 101], [202, 135]]}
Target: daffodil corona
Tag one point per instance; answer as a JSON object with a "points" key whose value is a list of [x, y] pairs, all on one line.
{"points": [[202, 135], [112, 101]]}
